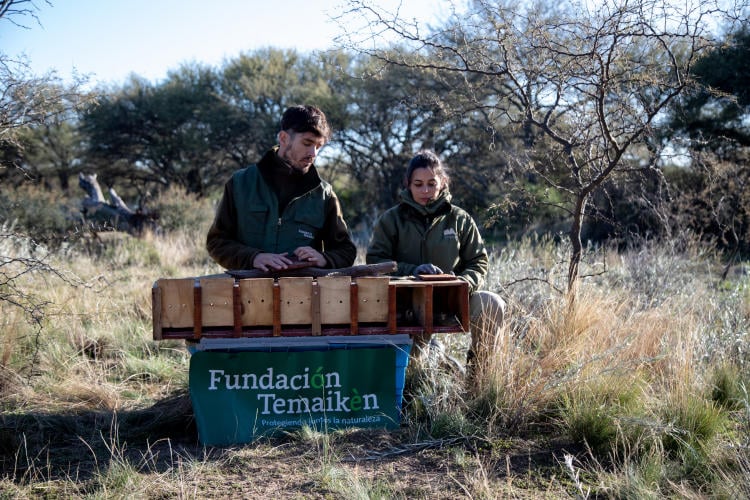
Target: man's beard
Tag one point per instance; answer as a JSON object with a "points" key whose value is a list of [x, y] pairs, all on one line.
{"points": [[293, 165]]}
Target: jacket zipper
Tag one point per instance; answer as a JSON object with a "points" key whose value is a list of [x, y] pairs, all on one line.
{"points": [[278, 232]]}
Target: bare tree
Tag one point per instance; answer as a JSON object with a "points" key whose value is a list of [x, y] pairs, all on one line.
{"points": [[11, 10], [592, 79], [26, 101]]}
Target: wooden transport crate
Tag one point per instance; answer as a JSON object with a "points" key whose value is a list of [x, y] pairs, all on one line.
{"points": [[224, 306]]}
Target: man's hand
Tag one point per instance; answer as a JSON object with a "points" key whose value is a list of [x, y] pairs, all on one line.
{"points": [[309, 254], [267, 261], [427, 269]]}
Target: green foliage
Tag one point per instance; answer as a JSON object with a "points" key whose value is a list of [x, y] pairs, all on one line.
{"points": [[528, 208], [712, 199], [730, 387], [260, 85], [715, 113], [586, 113], [385, 121], [120, 479], [644, 476], [695, 423], [154, 366], [201, 123], [346, 484], [172, 133], [604, 415], [51, 152], [180, 211], [452, 423], [485, 405], [47, 215], [711, 193]]}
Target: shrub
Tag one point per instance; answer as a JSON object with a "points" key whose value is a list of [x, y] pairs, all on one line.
{"points": [[47, 216], [605, 415], [181, 211], [729, 387]]}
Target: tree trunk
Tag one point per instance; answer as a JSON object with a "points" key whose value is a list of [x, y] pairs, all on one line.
{"points": [[575, 241]]}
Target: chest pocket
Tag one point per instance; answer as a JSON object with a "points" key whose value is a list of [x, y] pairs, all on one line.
{"points": [[303, 226], [255, 223]]}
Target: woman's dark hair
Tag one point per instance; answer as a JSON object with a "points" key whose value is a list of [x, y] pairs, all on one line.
{"points": [[427, 159], [303, 119]]}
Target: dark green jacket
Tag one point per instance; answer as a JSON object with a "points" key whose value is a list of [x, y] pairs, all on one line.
{"points": [[439, 233], [270, 208]]}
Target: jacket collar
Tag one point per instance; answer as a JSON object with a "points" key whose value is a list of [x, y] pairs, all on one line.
{"points": [[440, 206], [274, 169]]}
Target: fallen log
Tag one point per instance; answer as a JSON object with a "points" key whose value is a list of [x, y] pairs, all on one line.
{"points": [[117, 216]]}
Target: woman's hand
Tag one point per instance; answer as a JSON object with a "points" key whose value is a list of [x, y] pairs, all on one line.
{"points": [[427, 269]]}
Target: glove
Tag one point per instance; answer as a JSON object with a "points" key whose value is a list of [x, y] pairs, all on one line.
{"points": [[427, 269]]}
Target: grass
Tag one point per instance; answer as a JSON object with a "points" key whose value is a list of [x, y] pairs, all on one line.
{"points": [[638, 389]]}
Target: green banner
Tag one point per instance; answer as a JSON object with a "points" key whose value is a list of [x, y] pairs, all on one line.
{"points": [[239, 396]]}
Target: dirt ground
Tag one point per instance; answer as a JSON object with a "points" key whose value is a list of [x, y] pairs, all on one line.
{"points": [[389, 462], [435, 469], [365, 462], [73, 452]]}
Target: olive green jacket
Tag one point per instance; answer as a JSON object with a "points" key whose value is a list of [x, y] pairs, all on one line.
{"points": [[249, 219], [439, 233]]}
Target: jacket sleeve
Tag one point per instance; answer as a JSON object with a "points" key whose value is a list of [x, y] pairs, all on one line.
{"points": [[384, 242], [221, 242], [473, 254], [338, 248]]}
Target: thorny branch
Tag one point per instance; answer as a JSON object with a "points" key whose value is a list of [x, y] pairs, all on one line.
{"points": [[10, 9], [17, 274]]}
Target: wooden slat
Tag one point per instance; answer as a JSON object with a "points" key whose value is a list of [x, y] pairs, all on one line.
{"points": [[392, 309], [295, 299], [373, 293], [257, 301], [315, 327], [156, 311], [463, 306], [276, 309], [217, 301], [176, 302], [236, 309], [428, 309], [197, 309], [354, 308], [419, 301], [335, 299]]}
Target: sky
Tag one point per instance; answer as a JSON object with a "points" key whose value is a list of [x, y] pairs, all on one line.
{"points": [[110, 39]]}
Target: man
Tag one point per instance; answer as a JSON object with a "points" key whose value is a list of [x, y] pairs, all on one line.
{"points": [[280, 211]]}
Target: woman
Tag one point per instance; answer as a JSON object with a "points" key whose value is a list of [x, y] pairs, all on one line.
{"points": [[426, 234]]}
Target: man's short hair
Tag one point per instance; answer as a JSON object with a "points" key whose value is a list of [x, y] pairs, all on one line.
{"points": [[303, 119]]}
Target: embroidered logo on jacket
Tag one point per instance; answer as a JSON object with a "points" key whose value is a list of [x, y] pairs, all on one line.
{"points": [[449, 234], [306, 234]]}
